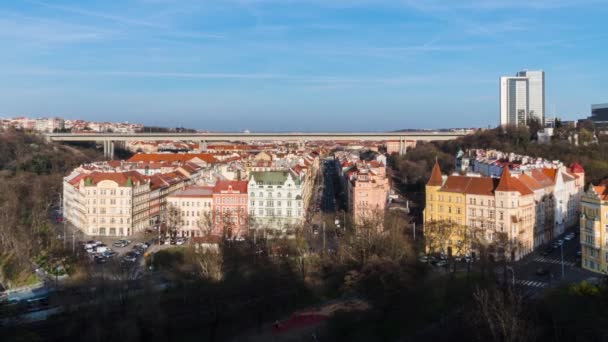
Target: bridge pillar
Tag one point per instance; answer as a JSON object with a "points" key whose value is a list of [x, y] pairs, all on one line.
{"points": [[202, 146], [402, 146], [105, 149], [111, 150]]}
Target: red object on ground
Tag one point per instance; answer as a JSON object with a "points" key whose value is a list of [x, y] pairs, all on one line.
{"points": [[299, 321]]}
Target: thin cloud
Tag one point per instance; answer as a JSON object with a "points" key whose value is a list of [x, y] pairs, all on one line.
{"points": [[94, 14]]}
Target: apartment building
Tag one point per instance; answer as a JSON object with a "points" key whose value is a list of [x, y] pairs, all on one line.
{"points": [[485, 206], [193, 207], [275, 199], [230, 215], [594, 228], [107, 204], [367, 189]]}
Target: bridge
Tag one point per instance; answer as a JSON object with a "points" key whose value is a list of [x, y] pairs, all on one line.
{"points": [[109, 139]]}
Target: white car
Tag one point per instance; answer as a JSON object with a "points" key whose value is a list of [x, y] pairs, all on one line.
{"points": [[180, 241], [101, 249]]}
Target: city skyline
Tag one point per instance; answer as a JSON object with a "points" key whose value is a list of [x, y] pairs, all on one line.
{"points": [[302, 66]]}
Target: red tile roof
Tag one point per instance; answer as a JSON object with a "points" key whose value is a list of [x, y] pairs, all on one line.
{"points": [[435, 179], [172, 157], [602, 190], [576, 168], [222, 185], [511, 184]]}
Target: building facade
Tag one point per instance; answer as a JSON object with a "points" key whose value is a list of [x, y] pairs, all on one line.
{"points": [[275, 199], [484, 207], [594, 228], [193, 207], [230, 215], [522, 97], [107, 204]]}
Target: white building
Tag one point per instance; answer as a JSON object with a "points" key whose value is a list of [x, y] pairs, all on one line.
{"points": [[107, 203], [275, 199], [194, 207], [522, 97]]}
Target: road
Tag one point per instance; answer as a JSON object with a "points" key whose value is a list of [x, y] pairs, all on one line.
{"points": [[324, 208], [531, 285]]}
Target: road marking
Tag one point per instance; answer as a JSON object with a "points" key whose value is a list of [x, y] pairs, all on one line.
{"points": [[530, 283], [553, 261]]}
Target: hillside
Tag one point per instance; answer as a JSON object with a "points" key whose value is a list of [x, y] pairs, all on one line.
{"points": [[31, 172]]}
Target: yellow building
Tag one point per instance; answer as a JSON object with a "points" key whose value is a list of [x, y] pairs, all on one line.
{"points": [[460, 207], [445, 213], [593, 221]]}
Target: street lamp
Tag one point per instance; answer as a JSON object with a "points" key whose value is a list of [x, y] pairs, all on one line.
{"points": [[562, 255]]}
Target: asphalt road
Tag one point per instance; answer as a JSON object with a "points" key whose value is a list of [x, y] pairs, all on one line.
{"points": [[531, 284]]}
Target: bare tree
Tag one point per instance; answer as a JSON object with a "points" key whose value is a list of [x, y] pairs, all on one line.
{"points": [[501, 314]]}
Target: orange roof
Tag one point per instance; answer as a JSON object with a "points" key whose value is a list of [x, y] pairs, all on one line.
{"points": [[602, 190], [541, 178], [456, 184], [551, 173], [530, 182], [511, 184], [435, 179], [171, 157], [481, 186], [222, 185]]}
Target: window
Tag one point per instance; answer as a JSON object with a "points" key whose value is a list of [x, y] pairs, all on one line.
{"points": [[252, 194], [458, 211], [261, 194], [252, 203]]}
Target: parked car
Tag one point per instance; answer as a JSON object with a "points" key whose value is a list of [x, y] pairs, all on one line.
{"points": [[180, 241], [101, 248], [441, 263], [100, 259], [109, 253], [90, 244], [541, 271], [568, 237], [121, 243], [130, 257], [560, 242]]}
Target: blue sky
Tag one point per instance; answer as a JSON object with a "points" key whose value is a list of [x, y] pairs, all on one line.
{"points": [[296, 64]]}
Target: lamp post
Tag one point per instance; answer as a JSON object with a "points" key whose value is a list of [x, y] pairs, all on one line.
{"points": [[562, 256]]}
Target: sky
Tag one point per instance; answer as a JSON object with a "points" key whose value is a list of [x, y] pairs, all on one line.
{"points": [[296, 65]]}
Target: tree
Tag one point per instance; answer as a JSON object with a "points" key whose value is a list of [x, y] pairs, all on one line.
{"points": [[172, 219], [500, 315]]}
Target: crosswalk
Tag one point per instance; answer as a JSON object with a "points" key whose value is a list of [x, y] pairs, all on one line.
{"points": [[554, 261], [532, 283]]}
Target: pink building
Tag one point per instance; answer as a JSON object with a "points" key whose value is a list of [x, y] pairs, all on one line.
{"points": [[368, 190], [230, 208]]}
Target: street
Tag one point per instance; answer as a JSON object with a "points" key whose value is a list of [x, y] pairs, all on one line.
{"points": [[536, 272]]}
